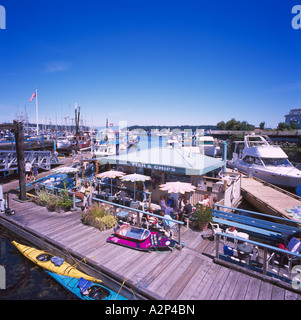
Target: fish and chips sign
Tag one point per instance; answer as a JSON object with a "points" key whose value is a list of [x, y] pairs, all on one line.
{"points": [[156, 167]]}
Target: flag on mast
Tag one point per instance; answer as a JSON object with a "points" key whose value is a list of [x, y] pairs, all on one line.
{"points": [[34, 95]]}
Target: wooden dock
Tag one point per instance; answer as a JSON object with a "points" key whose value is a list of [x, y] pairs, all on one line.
{"points": [[187, 274], [267, 198]]}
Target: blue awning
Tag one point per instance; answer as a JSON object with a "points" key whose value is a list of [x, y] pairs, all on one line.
{"points": [[166, 159]]}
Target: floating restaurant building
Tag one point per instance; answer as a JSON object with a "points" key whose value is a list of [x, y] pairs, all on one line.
{"points": [[165, 165]]}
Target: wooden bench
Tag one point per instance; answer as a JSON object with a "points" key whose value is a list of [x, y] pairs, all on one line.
{"points": [[269, 235], [283, 229]]}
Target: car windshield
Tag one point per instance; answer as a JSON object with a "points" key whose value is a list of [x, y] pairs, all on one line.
{"points": [[276, 162]]}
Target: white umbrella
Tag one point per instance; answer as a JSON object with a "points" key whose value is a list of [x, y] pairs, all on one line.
{"points": [[135, 177], [110, 174], [177, 187]]}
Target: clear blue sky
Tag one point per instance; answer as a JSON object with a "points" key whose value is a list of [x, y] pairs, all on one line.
{"points": [[151, 61]]}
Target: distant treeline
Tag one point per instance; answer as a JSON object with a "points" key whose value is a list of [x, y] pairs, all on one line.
{"points": [[181, 128]]}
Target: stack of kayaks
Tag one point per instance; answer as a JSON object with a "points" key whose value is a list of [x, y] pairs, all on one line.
{"points": [[67, 275]]}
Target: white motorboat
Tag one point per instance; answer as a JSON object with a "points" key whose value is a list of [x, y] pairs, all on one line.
{"points": [[207, 145], [63, 143], [104, 150], [204, 145], [258, 157]]}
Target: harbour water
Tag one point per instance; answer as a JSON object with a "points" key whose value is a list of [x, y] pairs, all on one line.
{"points": [[24, 280]]}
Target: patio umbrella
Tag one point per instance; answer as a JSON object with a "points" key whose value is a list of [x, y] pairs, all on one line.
{"points": [[177, 187], [135, 177], [112, 174]]}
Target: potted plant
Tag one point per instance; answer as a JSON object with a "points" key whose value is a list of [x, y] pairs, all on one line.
{"points": [[203, 215], [65, 202], [42, 197], [52, 203]]}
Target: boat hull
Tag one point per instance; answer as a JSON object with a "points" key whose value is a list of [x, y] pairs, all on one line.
{"points": [[100, 292], [154, 241], [279, 179], [65, 268]]}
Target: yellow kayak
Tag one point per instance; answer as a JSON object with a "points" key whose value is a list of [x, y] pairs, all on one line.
{"points": [[42, 259]]}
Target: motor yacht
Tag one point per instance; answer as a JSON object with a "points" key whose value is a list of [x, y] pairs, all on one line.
{"points": [[257, 156], [104, 150], [204, 145]]}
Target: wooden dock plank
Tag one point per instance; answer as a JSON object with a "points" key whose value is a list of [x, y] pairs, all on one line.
{"points": [[241, 287], [253, 289], [183, 280], [229, 286], [186, 274], [177, 268]]}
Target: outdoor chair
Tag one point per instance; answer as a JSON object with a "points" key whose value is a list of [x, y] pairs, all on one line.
{"points": [[216, 228], [170, 227]]}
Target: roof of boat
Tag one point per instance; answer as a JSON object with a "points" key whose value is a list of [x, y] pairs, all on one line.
{"points": [[165, 159]]}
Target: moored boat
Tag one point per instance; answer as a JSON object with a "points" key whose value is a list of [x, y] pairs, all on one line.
{"points": [[140, 239], [52, 263], [257, 156], [84, 289]]}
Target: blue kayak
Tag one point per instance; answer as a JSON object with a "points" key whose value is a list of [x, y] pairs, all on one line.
{"points": [[84, 289]]}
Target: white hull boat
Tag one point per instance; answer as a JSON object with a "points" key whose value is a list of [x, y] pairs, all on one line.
{"points": [[258, 157]]}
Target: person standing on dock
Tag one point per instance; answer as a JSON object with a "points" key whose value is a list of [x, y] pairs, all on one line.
{"points": [[35, 172], [87, 196], [28, 170]]}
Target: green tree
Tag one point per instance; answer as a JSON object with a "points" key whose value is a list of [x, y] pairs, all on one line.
{"points": [[221, 125], [261, 125]]}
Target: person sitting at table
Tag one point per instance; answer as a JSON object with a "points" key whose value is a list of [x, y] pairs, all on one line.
{"points": [[121, 196], [163, 203], [152, 220], [187, 210], [181, 203], [206, 201], [294, 245]]}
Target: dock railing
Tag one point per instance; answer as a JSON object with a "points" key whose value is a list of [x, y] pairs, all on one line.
{"points": [[141, 214], [267, 258], [263, 215]]}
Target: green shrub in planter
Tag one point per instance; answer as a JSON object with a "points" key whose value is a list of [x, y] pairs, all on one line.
{"points": [[65, 202], [109, 221], [42, 197], [98, 218], [203, 215], [52, 203]]}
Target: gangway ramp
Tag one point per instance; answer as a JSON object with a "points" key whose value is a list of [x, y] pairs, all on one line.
{"points": [[268, 198]]}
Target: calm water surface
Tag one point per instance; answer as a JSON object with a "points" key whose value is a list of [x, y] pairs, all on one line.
{"points": [[25, 280]]}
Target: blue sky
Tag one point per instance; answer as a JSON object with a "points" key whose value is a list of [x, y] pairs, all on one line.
{"points": [[156, 62]]}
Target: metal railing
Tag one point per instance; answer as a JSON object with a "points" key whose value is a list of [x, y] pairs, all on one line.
{"points": [[141, 213], [268, 252]]}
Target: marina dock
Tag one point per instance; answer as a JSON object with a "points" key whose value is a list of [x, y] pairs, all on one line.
{"points": [[187, 274], [268, 198]]}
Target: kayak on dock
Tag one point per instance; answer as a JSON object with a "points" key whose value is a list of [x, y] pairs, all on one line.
{"points": [[84, 289], [52, 263], [140, 239]]}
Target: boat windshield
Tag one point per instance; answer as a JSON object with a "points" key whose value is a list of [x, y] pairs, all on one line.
{"points": [[276, 162]]}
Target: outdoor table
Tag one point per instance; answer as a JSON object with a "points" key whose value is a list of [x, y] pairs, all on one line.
{"points": [[123, 215], [236, 233], [244, 250]]}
